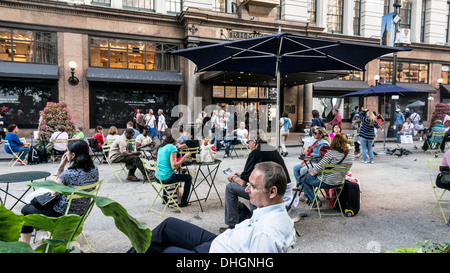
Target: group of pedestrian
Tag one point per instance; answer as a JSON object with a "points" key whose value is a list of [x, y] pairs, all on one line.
{"points": [[156, 124]]}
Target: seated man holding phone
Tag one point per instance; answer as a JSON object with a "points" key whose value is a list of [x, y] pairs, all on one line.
{"points": [[261, 152]]}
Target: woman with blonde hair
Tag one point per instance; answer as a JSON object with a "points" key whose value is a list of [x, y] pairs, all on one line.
{"points": [[113, 134], [367, 133]]}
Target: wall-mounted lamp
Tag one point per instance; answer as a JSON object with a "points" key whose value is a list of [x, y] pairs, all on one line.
{"points": [[377, 79], [440, 81], [73, 80]]}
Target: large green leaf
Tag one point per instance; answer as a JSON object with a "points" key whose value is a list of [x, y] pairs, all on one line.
{"points": [[15, 247], [139, 235], [63, 227], [10, 225]]}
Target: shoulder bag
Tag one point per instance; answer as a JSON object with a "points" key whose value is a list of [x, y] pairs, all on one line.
{"points": [[44, 201]]}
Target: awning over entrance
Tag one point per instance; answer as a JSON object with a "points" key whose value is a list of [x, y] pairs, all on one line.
{"points": [[28, 70], [133, 76], [340, 85]]}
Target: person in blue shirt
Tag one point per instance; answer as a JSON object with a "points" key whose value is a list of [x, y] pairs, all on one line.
{"points": [[15, 144], [399, 119], [168, 164]]}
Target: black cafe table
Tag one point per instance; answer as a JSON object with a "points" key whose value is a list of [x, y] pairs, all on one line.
{"points": [[208, 170], [19, 177]]}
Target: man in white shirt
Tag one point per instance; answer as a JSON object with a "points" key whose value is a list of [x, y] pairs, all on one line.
{"points": [[161, 124], [270, 230], [407, 129], [150, 121]]}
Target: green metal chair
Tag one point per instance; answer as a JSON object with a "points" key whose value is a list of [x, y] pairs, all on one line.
{"points": [[433, 168], [328, 169], [436, 140], [117, 171], [169, 189], [86, 213], [16, 156]]}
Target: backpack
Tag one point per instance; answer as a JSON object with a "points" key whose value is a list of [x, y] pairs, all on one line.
{"points": [[43, 157], [33, 156], [350, 198], [93, 144]]}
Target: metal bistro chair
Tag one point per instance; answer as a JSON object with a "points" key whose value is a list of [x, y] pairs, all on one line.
{"points": [[86, 213], [115, 171], [194, 151], [16, 156], [331, 168], [169, 189], [61, 153], [433, 167], [436, 140]]}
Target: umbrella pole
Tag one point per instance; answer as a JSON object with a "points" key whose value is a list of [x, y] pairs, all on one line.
{"points": [[278, 112]]}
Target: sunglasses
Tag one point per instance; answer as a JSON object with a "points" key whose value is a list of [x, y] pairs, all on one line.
{"points": [[315, 133]]}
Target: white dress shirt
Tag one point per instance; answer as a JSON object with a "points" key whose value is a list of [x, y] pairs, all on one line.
{"points": [[270, 230]]}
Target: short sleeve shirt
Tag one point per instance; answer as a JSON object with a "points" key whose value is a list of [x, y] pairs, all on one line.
{"points": [[164, 166]]}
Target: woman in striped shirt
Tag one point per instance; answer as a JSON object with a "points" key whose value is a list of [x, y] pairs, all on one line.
{"points": [[339, 153], [367, 133]]}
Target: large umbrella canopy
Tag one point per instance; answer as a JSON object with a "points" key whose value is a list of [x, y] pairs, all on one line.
{"points": [[282, 54], [385, 89]]}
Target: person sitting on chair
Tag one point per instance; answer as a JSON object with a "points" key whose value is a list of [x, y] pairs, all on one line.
{"points": [[241, 137], [119, 153], [438, 127], [339, 153], [60, 134], [270, 230], [261, 152], [15, 144], [82, 171]]}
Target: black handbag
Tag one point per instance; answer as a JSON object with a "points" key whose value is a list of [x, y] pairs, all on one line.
{"points": [[44, 201]]}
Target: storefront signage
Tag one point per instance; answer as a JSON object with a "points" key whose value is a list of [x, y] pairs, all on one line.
{"points": [[238, 35]]}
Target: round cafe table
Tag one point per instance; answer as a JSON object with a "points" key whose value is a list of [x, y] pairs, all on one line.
{"points": [[19, 177]]}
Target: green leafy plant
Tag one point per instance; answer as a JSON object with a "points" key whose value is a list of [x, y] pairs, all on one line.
{"points": [[54, 114], [425, 247], [65, 229]]}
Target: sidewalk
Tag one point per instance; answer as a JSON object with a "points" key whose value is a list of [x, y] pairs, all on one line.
{"points": [[396, 200]]}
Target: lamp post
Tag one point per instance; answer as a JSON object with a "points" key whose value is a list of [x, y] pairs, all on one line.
{"points": [[392, 132]]}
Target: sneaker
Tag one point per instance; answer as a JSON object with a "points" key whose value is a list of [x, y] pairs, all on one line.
{"points": [[371, 162], [365, 162], [20, 161], [225, 156], [421, 139]]}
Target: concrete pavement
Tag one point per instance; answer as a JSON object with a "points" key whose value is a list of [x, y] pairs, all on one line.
{"points": [[396, 200]]}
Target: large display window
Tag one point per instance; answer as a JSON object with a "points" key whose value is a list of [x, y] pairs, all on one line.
{"points": [[116, 104], [21, 100]]}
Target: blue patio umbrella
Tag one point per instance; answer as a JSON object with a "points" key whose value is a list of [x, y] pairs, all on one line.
{"points": [[281, 54], [385, 89]]}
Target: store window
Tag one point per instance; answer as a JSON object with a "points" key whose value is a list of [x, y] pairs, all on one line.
{"points": [[415, 103], [354, 75], [101, 2], [407, 72], [28, 46], [132, 54], [243, 92], [21, 100], [326, 103], [146, 5], [335, 15], [115, 104], [445, 74]]}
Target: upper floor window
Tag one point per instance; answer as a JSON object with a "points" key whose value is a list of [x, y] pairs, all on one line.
{"points": [[356, 17], [405, 14], [445, 74], [335, 15], [423, 20], [173, 6], [220, 5], [312, 10], [101, 2], [406, 72], [131, 54], [138, 4], [28, 46], [387, 7]]}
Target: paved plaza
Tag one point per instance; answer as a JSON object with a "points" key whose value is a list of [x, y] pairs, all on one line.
{"points": [[396, 200]]}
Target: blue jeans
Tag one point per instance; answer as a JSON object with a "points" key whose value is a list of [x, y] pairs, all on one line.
{"points": [[25, 151], [366, 144], [312, 182], [228, 142], [300, 171], [187, 179]]}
